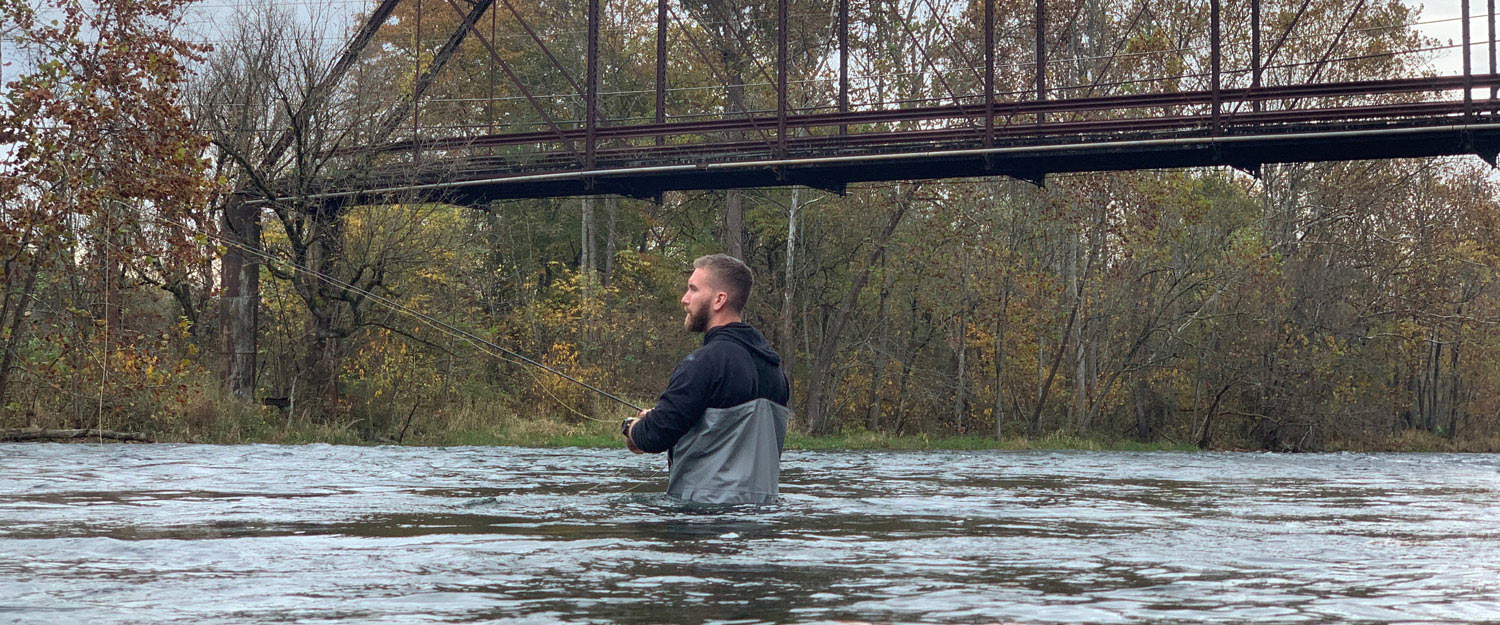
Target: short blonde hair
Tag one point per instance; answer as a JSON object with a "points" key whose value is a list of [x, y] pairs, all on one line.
{"points": [[731, 275]]}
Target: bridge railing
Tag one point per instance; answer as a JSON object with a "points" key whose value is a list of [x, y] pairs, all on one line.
{"points": [[845, 79]]}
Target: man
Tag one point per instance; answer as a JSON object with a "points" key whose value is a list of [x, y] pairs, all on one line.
{"points": [[723, 416]]}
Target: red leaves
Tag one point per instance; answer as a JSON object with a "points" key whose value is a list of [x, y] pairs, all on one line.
{"points": [[102, 123], [100, 159]]}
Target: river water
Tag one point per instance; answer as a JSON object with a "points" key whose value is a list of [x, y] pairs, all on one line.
{"points": [[316, 534]]}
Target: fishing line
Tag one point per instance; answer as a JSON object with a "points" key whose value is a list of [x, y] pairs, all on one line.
{"points": [[499, 352], [484, 346]]}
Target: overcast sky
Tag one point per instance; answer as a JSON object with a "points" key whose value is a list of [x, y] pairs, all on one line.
{"points": [[1439, 20]]}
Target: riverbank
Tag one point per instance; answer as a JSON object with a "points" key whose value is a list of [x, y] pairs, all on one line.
{"points": [[588, 436], [226, 422], [592, 434], [800, 441], [471, 427]]}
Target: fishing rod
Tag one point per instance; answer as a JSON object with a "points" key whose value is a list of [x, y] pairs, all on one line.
{"points": [[477, 341]]}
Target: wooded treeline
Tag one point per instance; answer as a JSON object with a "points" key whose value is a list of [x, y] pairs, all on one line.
{"points": [[1317, 305]]}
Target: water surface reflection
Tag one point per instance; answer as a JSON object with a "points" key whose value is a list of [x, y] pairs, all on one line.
{"points": [[256, 534]]}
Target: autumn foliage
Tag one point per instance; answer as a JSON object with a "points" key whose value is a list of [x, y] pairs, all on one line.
{"points": [[1317, 306], [103, 187]]}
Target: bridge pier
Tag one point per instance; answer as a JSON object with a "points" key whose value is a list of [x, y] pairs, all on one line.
{"points": [[240, 301]]}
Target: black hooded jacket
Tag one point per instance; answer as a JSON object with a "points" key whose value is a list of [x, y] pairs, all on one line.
{"points": [[735, 365]]}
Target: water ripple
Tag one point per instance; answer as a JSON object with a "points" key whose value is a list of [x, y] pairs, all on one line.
{"points": [[117, 534]]}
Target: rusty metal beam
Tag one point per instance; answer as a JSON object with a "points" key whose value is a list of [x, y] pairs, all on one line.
{"points": [[515, 80], [989, 72], [1468, 65], [335, 74], [591, 89], [896, 142], [1491, 15], [393, 118], [1215, 52], [781, 77], [713, 69], [844, 61], [489, 105], [416, 70], [526, 26], [1025, 107], [1255, 63], [1168, 149], [661, 66], [1041, 56]]}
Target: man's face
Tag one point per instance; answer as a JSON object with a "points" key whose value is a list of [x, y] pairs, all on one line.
{"points": [[697, 301]]}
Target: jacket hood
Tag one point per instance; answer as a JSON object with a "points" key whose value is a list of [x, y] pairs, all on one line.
{"points": [[747, 335]]}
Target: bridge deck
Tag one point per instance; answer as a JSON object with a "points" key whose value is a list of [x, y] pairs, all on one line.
{"points": [[1396, 119]]}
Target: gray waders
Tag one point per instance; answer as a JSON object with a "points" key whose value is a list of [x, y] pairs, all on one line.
{"points": [[733, 455]]}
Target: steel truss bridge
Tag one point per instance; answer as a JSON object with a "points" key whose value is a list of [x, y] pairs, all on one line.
{"points": [[1229, 116], [1049, 128]]}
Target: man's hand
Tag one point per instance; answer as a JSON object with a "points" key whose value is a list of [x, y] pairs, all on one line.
{"points": [[629, 432]]}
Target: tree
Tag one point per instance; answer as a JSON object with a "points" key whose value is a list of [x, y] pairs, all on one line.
{"points": [[276, 74], [102, 179]]}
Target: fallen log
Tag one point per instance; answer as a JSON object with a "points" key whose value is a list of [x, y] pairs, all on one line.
{"points": [[40, 434]]}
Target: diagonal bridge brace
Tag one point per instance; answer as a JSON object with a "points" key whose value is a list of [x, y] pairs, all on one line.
{"points": [[394, 117], [515, 80]]}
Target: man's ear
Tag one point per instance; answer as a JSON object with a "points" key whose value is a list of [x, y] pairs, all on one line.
{"points": [[721, 299]]}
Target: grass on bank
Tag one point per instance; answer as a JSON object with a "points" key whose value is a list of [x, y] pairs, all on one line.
{"points": [[1055, 441], [496, 422], [589, 436], [1418, 441]]}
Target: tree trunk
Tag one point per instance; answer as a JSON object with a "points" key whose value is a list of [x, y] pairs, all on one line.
{"points": [[817, 421], [324, 358], [1080, 370], [1000, 359], [183, 294], [734, 226], [586, 237], [612, 210], [963, 334], [1046, 386], [110, 277], [1434, 373], [1033, 421], [588, 277], [13, 320], [1454, 383], [1205, 438], [882, 356], [788, 289], [320, 368], [1142, 424]]}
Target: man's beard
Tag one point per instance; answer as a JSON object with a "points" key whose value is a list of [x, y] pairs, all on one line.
{"points": [[696, 320]]}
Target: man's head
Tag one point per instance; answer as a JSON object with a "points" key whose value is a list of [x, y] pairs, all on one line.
{"points": [[716, 292]]}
